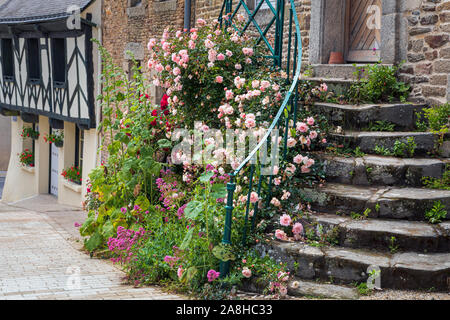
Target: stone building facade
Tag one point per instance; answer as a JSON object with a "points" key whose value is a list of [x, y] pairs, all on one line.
{"points": [[427, 65]]}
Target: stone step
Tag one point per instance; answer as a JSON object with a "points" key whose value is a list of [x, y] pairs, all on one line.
{"points": [[384, 202], [408, 270], [301, 288], [336, 85], [361, 116], [380, 170], [377, 234], [342, 71], [367, 141]]}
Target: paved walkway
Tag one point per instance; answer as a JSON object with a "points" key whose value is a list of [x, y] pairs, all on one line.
{"points": [[41, 257]]}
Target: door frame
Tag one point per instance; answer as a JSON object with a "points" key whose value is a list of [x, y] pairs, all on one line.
{"points": [[394, 37]]}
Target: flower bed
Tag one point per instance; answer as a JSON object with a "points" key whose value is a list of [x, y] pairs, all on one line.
{"points": [[162, 216]]}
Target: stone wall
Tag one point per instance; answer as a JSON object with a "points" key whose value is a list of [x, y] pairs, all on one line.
{"points": [[427, 65]]}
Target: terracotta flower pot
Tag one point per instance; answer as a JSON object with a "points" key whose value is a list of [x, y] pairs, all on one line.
{"points": [[336, 58]]}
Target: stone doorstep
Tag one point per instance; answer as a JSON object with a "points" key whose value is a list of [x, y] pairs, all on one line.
{"points": [[343, 71], [380, 170], [377, 233], [367, 141], [360, 116], [389, 202], [407, 270]]}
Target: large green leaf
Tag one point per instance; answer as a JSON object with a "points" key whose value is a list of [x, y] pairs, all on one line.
{"points": [[223, 252], [88, 226], [94, 242], [187, 239], [206, 176], [108, 230], [142, 202], [164, 143], [218, 191], [193, 209]]}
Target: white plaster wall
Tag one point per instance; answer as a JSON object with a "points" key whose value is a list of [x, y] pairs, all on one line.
{"points": [[5, 142], [19, 184]]}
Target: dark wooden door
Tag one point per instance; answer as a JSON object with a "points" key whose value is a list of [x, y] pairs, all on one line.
{"points": [[364, 30]]}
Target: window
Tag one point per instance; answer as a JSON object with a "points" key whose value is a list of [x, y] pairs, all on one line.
{"points": [[33, 60], [8, 59], [59, 60], [79, 147]]}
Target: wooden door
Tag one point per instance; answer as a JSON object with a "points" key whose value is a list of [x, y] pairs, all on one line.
{"points": [[364, 30]]}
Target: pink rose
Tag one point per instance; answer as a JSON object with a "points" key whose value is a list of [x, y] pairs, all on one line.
{"points": [[246, 272], [219, 79], [285, 220], [310, 121], [254, 197], [280, 234], [297, 228]]}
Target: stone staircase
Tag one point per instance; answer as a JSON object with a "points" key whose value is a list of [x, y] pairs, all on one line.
{"points": [[395, 237]]}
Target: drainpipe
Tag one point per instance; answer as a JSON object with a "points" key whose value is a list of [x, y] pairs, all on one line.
{"points": [[187, 15]]}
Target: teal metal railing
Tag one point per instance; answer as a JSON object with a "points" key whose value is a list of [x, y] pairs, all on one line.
{"points": [[286, 55]]}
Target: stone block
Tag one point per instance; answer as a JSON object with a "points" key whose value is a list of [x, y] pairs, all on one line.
{"points": [[445, 16], [424, 68], [444, 53], [436, 41], [434, 91], [419, 30], [442, 65], [429, 19]]}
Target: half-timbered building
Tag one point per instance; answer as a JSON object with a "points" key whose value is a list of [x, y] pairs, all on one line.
{"points": [[49, 76]]}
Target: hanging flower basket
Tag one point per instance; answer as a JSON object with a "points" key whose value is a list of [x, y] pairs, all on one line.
{"points": [[26, 158], [57, 139], [28, 132]]}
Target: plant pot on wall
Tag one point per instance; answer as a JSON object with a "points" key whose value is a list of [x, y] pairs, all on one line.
{"points": [[59, 144], [336, 58]]}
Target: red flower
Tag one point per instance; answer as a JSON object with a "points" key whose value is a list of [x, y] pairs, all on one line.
{"points": [[154, 113]]}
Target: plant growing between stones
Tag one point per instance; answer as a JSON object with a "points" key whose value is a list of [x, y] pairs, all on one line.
{"points": [[381, 125], [402, 149], [436, 183], [377, 83], [437, 213], [393, 247]]}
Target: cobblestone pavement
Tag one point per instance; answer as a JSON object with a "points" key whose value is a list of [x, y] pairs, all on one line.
{"points": [[41, 257]]}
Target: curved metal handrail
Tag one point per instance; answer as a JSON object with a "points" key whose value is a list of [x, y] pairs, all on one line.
{"points": [[291, 94]]}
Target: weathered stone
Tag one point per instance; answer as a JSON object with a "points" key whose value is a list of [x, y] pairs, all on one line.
{"points": [[377, 234], [445, 16], [419, 30], [431, 55], [444, 53], [436, 41], [439, 80], [424, 68], [415, 57], [434, 91], [413, 20], [430, 19], [428, 7], [407, 68], [442, 65], [445, 27], [443, 6], [445, 149], [315, 289], [416, 45]]}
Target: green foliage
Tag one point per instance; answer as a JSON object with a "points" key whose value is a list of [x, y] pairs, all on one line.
{"points": [[436, 183], [29, 132], [378, 83], [381, 125], [363, 289], [358, 216], [436, 213], [402, 149], [393, 247]]}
